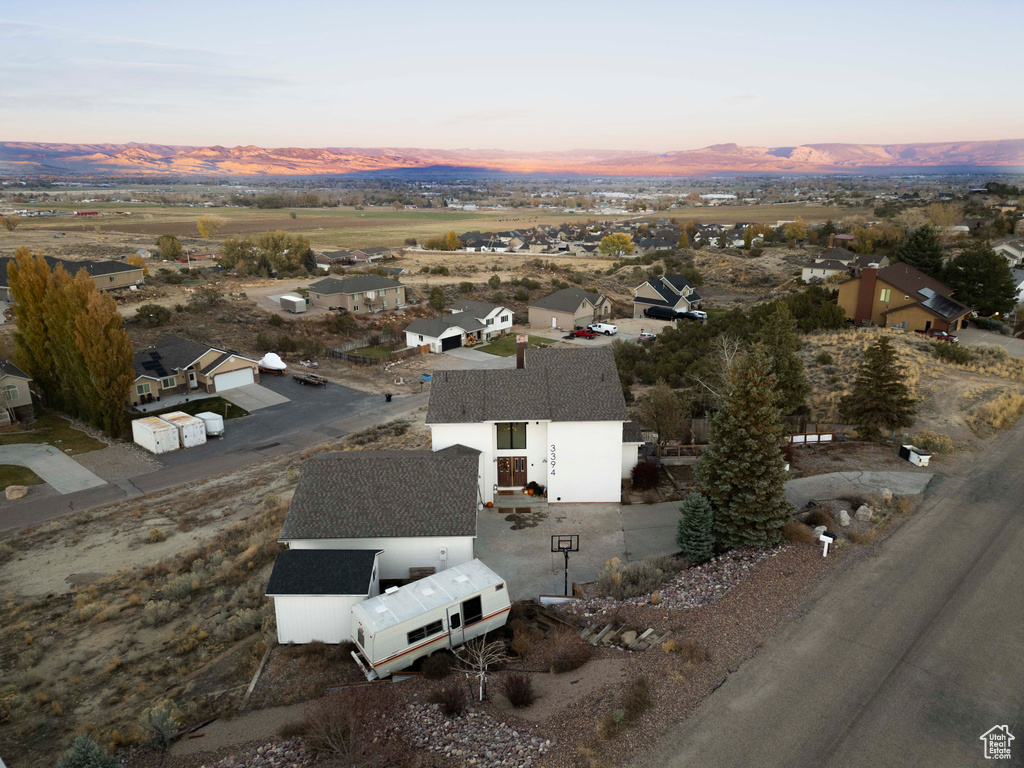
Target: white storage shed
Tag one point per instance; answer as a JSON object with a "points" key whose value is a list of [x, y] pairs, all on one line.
{"points": [[155, 435], [441, 611], [191, 429], [213, 422], [314, 591]]}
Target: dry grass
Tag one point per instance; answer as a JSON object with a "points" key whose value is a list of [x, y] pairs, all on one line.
{"points": [[798, 533], [1000, 413], [568, 651], [862, 538], [623, 581], [935, 442]]}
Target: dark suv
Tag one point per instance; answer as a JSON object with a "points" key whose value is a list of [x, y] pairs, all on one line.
{"points": [[660, 313]]}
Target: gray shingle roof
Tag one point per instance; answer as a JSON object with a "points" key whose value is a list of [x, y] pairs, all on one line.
{"points": [[354, 284], [7, 368], [169, 354], [567, 299], [384, 494], [322, 572], [555, 385], [92, 267], [631, 432], [476, 308], [435, 326]]}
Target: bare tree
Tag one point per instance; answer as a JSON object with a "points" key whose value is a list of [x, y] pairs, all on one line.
{"points": [[477, 655]]}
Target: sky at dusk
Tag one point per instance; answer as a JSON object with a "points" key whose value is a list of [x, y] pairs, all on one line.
{"points": [[652, 76]]}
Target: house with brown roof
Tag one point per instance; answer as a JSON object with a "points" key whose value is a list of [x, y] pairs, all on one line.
{"points": [[177, 366], [902, 297]]}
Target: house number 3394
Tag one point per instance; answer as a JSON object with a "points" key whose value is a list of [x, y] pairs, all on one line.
{"points": [[552, 459]]}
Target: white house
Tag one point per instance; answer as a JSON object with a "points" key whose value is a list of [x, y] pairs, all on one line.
{"points": [[314, 591], [467, 319], [556, 419], [417, 507], [1018, 280], [1012, 251]]}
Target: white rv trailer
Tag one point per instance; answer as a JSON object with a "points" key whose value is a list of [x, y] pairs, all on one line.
{"points": [[441, 611]]}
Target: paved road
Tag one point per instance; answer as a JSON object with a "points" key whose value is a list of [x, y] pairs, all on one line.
{"points": [[60, 471], [904, 658], [972, 336]]}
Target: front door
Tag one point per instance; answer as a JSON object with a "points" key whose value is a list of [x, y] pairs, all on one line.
{"points": [[519, 470], [456, 634], [192, 383], [928, 325], [504, 472]]}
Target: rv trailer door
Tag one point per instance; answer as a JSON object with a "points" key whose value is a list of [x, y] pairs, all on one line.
{"points": [[456, 634]]}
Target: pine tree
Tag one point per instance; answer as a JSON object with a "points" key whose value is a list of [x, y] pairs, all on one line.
{"points": [[28, 278], [922, 250], [107, 352], [742, 472], [879, 400], [695, 534], [779, 339], [86, 753], [981, 279]]}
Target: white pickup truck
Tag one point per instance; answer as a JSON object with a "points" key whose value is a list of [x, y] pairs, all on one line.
{"points": [[606, 328]]}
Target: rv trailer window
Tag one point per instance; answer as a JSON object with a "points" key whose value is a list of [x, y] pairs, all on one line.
{"points": [[472, 610], [499, 588], [424, 632], [360, 639], [456, 621]]}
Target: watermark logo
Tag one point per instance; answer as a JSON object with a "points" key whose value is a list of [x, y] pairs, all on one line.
{"points": [[997, 742]]}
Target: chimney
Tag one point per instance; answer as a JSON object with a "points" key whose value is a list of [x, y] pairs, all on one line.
{"points": [[831, 239], [866, 293], [521, 351]]}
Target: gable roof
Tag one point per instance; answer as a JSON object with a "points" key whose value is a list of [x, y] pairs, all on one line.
{"points": [[384, 494], [354, 284], [930, 294], [7, 368], [94, 268], [631, 432], [555, 385], [322, 572], [435, 326], [479, 309], [168, 355], [567, 299]]}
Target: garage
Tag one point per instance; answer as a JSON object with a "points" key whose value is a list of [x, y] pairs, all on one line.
{"points": [[232, 379], [451, 342]]}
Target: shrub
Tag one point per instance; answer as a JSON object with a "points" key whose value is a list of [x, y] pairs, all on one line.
{"points": [[634, 579], [450, 699], [494, 281], [819, 517], [292, 730], [636, 699], [694, 532], [934, 442], [465, 287], [86, 753], [6, 550], [569, 651], [798, 533], [275, 320], [439, 271], [160, 724], [518, 689], [245, 622], [824, 358], [689, 650], [861, 538], [155, 535], [178, 587], [524, 636], [343, 324], [1001, 413], [437, 666], [953, 353], [152, 315], [521, 295], [157, 612], [645, 476]]}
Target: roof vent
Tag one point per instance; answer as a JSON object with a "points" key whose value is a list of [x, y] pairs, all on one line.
{"points": [[426, 591], [381, 609], [462, 578], [390, 590]]}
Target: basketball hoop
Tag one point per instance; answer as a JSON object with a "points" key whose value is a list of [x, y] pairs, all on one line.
{"points": [[565, 543]]}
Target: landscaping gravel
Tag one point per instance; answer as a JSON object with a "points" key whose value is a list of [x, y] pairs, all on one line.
{"points": [[475, 738]]}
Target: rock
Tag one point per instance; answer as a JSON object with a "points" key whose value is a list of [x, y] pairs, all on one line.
{"points": [[844, 517], [818, 530], [15, 491], [886, 495], [628, 638], [863, 514]]}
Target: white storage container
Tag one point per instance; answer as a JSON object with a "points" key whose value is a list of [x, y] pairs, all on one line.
{"points": [[191, 430], [214, 423], [155, 435], [294, 304]]}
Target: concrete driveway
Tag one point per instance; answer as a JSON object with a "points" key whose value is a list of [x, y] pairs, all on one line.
{"points": [[253, 397], [59, 471], [973, 336], [838, 485], [474, 358]]}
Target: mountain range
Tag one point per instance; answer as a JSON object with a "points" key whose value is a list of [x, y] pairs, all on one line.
{"points": [[133, 159]]}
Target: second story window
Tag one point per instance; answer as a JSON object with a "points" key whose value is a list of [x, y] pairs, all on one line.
{"points": [[511, 436], [886, 294]]}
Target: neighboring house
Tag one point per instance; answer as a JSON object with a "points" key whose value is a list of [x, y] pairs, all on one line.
{"points": [[1012, 251], [556, 419], [17, 397], [901, 296], [314, 591], [468, 319], [1018, 280], [108, 275], [175, 365], [570, 307], [417, 507], [358, 294], [671, 291], [839, 261]]}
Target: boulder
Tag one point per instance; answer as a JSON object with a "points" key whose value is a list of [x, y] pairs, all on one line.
{"points": [[844, 517], [818, 530], [13, 492], [628, 638], [886, 495], [863, 514]]}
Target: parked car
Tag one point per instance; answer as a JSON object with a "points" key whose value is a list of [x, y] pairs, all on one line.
{"points": [[582, 333], [645, 336], [693, 314], [660, 313], [931, 333], [606, 328]]}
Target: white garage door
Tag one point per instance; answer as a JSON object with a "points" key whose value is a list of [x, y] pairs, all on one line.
{"points": [[233, 379]]}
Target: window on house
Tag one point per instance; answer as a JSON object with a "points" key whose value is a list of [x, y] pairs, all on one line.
{"points": [[355, 308], [512, 436], [886, 294], [421, 337], [143, 388], [489, 321], [168, 382], [424, 632], [111, 279], [504, 318], [11, 390]]}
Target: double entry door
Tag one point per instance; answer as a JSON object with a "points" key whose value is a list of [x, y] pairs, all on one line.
{"points": [[511, 471]]}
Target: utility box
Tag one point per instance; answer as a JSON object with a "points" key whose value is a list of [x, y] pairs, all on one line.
{"points": [[915, 456], [191, 430], [293, 304], [155, 435], [214, 423]]}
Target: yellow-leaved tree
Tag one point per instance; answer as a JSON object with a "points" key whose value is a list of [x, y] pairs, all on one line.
{"points": [[618, 244], [208, 226], [108, 358], [28, 278], [137, 261]]}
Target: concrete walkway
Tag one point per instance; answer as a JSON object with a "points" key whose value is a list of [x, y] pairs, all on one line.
{"points": [[836, 485], [61, 472]]}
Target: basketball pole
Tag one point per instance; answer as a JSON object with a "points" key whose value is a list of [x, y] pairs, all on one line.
{"points": [[566, 553]]}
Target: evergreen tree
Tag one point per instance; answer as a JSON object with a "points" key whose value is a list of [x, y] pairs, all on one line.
{"points": [[86, 753], [695, 534], [28, 278], [309, 262], [107, 352], [779, 339], [742, 472], [922, 250], [879, 400], [981, 279]]}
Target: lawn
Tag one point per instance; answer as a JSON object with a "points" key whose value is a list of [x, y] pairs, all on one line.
{"points": [[54, 429], [505, 346], [216, 405], [12, 474], [376, 351]]}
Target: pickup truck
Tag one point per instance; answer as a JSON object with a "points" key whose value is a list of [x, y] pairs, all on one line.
{"points": [[582, 333], [931, 333], [606, 328]]}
